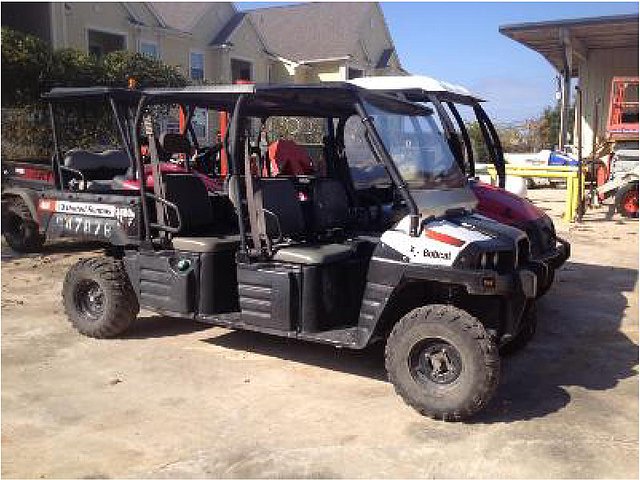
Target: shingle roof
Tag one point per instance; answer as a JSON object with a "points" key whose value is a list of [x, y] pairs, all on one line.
{"points": [[224, 34], [181, 15], [310, 31]]}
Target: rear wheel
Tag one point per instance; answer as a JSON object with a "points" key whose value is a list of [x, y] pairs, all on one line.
{"points": [[98, 297], [627, 200], [19, 228], [442, 362]]}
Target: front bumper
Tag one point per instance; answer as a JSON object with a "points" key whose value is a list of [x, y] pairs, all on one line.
{"points": [[544, 265]]}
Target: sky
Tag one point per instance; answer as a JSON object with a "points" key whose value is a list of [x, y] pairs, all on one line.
{"points": [[459, 42]]}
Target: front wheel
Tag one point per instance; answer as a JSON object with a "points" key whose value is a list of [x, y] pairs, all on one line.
{"points": [[627, 200], [442, 362], [546, 286], [98, 298]]}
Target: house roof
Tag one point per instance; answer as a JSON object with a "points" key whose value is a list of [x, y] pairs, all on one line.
{"points": [[224, 35], [546, 38], [310, 31], [181, 16]]}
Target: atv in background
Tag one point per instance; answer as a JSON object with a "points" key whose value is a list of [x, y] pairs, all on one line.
{"points": [[99, 169], [493, 202]]}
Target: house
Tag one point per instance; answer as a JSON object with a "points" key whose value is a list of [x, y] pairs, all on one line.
{"points": [[314, 42], [213, 42]]}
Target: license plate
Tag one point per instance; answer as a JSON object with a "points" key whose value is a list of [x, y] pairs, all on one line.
{"points": [[79, 225]]}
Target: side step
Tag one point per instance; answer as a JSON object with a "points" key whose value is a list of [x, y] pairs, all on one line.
{"points": [[347, 337]]}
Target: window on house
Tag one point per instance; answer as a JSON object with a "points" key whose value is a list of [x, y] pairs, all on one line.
{"points": [[149, 49], [240, 70], [196, 66], [354, 73], [101, 43]]}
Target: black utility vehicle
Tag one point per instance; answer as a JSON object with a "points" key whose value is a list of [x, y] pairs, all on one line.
{"points": [[315, 257]]}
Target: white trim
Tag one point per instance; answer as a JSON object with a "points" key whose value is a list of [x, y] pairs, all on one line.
{"points": [[322, 60], [109, 31], [204, 62]]}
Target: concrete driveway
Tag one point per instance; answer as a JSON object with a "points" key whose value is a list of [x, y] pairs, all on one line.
{"points": [[177, 399]]}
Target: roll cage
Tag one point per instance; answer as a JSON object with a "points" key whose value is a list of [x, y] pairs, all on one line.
{"points": [[335, 102]]}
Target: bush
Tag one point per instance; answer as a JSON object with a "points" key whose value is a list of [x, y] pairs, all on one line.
{"points": [[24, 58], [30, 68], [148, 72]]}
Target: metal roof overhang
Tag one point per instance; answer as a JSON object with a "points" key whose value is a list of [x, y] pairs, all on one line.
{"points": [[550, 39]]}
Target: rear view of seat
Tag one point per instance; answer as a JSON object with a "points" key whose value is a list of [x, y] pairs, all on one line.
{"points": [[330, 205], [199, 233], [97, 166]]}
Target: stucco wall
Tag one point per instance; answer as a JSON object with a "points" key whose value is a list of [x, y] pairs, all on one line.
{"points": [[595, 80]]}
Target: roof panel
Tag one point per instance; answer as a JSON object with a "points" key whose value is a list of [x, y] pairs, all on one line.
{"points": [[619, 31]]}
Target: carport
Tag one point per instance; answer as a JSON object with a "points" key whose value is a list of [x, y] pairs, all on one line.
{"points": [[592, 49]]}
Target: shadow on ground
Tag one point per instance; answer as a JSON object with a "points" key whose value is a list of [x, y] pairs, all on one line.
{"points": [[158, 326], [578, 343]]}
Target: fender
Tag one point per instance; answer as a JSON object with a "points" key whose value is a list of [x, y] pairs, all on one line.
{"points": [[28, 196]]}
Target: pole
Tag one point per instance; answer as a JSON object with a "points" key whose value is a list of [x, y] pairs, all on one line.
{"points": [[580, 209]]}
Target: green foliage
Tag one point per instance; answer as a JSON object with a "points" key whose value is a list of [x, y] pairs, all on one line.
{"points": [[30, 68], [480, 152], [148, 72], [23, 59], [72, 68]]}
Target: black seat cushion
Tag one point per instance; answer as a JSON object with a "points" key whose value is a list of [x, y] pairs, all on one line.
{"points": [[315, 254]]}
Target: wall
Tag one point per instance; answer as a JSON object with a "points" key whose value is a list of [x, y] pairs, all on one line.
{"points": [[595, 80]]}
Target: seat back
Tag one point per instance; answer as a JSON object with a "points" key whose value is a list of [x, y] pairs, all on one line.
{"points": [[173, 144], [277, 200], [190, 195], [330, 205], [98, 166]]}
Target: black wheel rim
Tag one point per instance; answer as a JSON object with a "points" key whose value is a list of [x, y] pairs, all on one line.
{"points": [[435, 361], [89, 299]]}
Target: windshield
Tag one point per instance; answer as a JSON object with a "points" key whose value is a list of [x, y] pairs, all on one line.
{"points": [[417, 147]]}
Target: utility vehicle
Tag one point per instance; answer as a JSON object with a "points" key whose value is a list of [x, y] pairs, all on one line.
{"points": [[340, 265], [494, 202]]}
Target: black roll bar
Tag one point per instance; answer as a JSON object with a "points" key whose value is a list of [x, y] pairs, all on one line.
{"points": [[140, 169], [492, 140], [232, 149], [57, 156], [465, 138], [380, 151], [449, 130]]}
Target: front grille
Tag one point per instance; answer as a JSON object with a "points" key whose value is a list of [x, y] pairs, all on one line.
{"points": [[501, 262]]}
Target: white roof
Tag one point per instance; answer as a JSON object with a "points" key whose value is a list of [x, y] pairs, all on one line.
{"points": [[411, 82]]}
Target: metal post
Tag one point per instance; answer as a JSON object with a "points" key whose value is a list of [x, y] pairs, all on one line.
{"points": [[580, 211]]}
